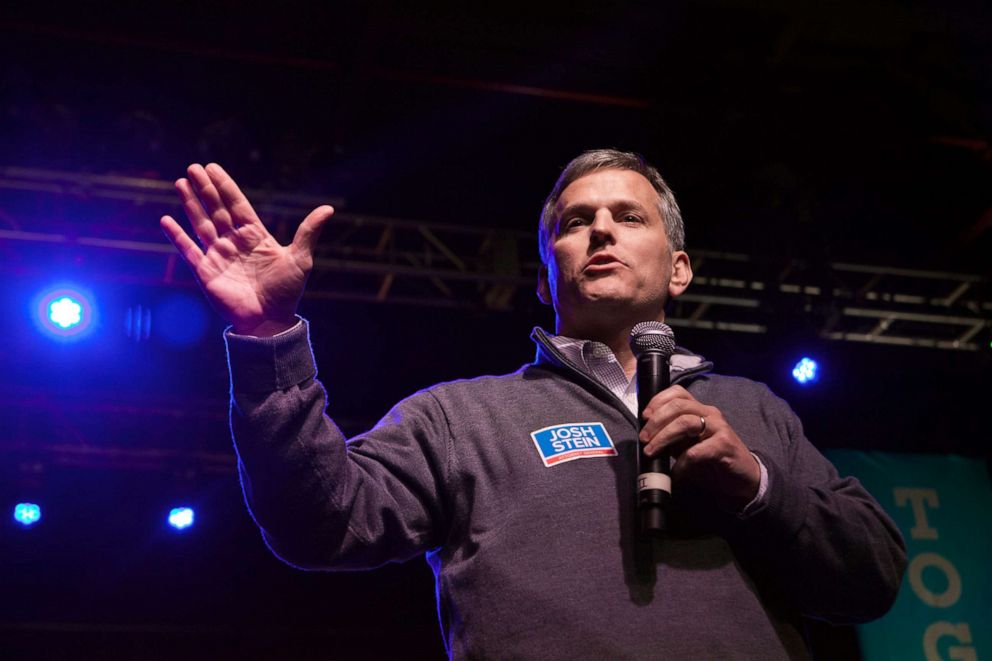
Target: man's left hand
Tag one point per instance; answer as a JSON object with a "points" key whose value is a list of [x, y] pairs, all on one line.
{"points": [[708, 453]]}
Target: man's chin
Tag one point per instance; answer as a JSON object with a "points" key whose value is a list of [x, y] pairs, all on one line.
{"points": [[611, 305], [605, 297]]}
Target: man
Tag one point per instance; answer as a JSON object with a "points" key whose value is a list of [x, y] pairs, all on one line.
{"points": [[520, 489]]}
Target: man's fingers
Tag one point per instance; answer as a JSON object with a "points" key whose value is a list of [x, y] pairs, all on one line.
{"points": [[660, 413], [679, 432], [308, 232], [681, 427], [667, 395], [210, 197], [185, 245], [198, 218], [231, 196]]}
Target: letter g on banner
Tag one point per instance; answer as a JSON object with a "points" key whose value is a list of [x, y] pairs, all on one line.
{"points": [[960, 632]]}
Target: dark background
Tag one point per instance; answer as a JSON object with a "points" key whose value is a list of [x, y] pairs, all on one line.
{"points": [[854, 132]]}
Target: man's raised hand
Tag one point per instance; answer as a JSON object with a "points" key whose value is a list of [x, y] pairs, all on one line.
{"points": [[253, 281]]}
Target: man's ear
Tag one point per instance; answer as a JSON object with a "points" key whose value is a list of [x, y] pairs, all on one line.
{"points": [[543, 286], [681, 274]]}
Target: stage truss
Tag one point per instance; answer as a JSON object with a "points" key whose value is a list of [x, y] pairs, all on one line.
{"points": [[399, 261]]}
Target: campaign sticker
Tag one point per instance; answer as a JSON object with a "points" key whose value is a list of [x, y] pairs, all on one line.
{"points": [[574, 440]]}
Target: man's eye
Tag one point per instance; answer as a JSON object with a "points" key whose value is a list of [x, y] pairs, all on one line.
{"points": [[631, 218], [571, 223]]}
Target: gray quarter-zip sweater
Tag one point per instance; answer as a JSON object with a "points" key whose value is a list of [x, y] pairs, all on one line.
{"points": [[538, 560]]}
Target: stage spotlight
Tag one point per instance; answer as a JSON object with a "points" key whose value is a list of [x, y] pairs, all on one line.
{"points": [[27, 514], [65, 313], [806, 371], [181, 518]]}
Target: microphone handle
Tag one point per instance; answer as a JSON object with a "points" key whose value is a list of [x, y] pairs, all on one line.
{"points": [[654, 482]]}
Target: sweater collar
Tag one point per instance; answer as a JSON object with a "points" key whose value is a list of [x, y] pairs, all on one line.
{"points": [[684, 363]]}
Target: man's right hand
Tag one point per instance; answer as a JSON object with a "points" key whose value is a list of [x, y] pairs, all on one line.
{"points": [[253, 281]]}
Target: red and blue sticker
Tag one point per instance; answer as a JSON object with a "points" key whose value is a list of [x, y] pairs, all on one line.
{"points": [[574, 440]]}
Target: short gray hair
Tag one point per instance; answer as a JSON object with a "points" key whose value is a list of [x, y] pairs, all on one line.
{"points": [[612, 159]]}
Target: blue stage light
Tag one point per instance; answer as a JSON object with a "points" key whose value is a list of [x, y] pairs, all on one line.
{"points": [[806, 371], [181, 518], [65, 312], [27, 514]]}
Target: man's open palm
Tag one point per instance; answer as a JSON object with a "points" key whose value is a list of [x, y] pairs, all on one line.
{"points": [[253, 281]]}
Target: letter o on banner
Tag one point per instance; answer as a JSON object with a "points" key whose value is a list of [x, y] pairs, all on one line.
{"points": [[948, 597], [960, 632]]}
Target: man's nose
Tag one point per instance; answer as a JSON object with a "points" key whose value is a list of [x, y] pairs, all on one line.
{"points": [[601, 228]]}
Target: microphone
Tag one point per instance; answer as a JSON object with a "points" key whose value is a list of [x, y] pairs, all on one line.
{"points": [[652, 343]]}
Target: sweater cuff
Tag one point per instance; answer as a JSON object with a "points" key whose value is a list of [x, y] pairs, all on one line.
{"points": [[779, 512], [266, 364], [762, 490]]}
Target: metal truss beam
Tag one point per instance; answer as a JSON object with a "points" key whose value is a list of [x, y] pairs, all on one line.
{"points": [[393, 260]]}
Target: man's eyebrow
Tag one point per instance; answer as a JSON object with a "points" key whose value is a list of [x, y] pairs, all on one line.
{"points": [[576, 209], [585, 208]]}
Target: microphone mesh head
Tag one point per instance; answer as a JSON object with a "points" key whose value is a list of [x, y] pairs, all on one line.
{"points": [[654, 336]]}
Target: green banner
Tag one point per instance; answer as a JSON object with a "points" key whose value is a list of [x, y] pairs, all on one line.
{"points": [[943, 506]]}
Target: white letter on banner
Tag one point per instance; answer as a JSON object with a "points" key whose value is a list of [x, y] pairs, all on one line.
{"points": [[948, 597], [918, 498], [938, 630]]}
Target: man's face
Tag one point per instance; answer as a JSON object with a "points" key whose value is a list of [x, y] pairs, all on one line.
{"points": [[609, 253]]}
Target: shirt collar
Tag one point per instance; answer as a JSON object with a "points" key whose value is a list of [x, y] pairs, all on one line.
{"points": [[591, 355]]}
